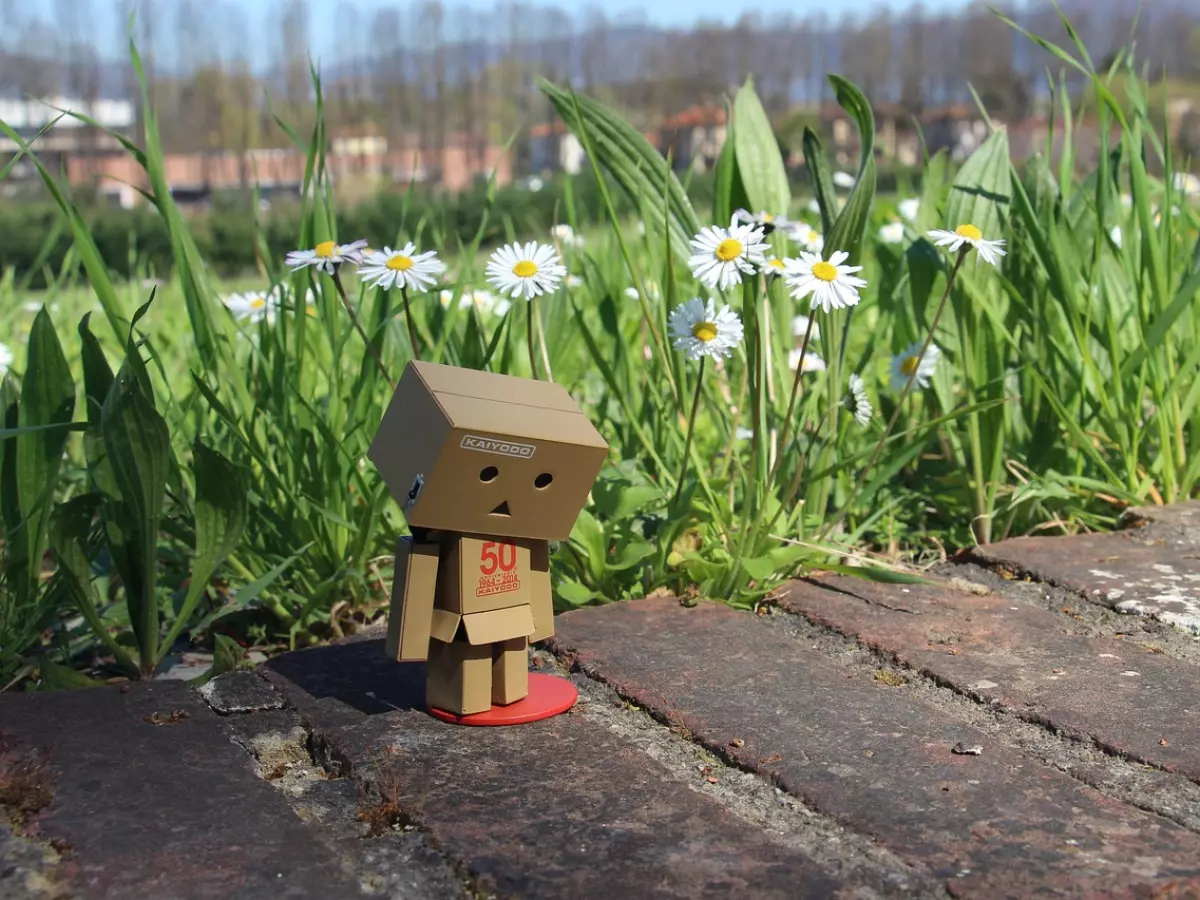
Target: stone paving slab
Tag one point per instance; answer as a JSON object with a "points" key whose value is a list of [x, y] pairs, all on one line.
{"points": [[168, 810], [1134, 702], [560, 808], [994, 825], [1119, 570]]}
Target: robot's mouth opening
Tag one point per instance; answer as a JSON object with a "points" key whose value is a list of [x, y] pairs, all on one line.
{"points": [[501, 510]]}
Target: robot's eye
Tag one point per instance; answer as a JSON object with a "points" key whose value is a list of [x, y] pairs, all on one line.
{"points": [[489, 474], [543, 481]]}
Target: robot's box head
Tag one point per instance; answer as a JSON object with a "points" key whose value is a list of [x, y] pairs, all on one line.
{"points": [[481, 453]]}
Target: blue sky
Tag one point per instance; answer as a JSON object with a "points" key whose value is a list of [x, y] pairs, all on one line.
{"points": [[679, 13]]}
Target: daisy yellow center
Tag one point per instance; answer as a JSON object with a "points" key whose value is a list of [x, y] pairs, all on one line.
{"points": [[525, 269], [705, 331], [767, 217], [824, 271], [970, 232], [400, 263], [325, 249], [777, 263], [909, 365], [257, 302], [729, 249]]}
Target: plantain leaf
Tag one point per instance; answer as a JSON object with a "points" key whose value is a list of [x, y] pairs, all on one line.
{"points": [[851, 224], [222, 509], [47, 398], [138, 447], [759, 161], [822, 179], [631, 160], [729, 193], [982, 190]]}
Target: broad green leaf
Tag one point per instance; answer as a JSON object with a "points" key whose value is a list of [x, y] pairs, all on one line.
{"points": [[228, 654], [982, 191], [221, 511], [875, 573], [759, 161], [138, 448], [47, 398], [822, 178], [851, 224], [574, 593], [10, 508], [630, 555], [631, 160], [729, 192], [617, 500], [56, 677], [71, 538], [934, 181], [246, 595]]}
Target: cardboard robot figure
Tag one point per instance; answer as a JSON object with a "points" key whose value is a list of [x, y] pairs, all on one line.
{"points": [[488, 468]]}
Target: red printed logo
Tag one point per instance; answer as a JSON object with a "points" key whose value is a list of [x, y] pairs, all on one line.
{"points": [[497, 566]]}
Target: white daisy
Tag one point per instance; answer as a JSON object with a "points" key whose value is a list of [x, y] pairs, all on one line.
{"points": [[858, 396], [31, 306], [574, 281], [800, 326], [775, 267], [908, 208], [1186, 182], [722, 255], [908, 363], [764, 220], [487, 302], [566, 235], [698, 329], [1115, 234], [326, 256], [6, 358], [807, 237], [743, 434], [812, 362], [814, 207], [446, 297], [843, 180], [641, 229], [526, 271], [990, 251], [892, 233], [831, 284], [252, 305], [632, 293], [401, 268]]}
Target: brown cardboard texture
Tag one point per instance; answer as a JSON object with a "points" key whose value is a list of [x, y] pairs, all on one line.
{"points": [[481, 453], [460, 677], [481, 574], [414, 588]]}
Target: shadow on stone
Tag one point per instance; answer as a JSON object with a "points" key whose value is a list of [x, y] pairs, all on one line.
{"points": [[356, 674]]}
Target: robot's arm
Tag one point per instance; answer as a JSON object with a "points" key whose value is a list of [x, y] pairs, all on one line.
{"points": [[541, 600], [411, 615]]}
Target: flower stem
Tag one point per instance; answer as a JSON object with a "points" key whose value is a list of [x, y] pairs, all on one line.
{"points": [[937, 317], [408, 319], [530, 313], [691, 427], [784, 435], [541, 336], [337, 283]]}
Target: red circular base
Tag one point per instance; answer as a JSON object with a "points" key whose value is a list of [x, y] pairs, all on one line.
{"points": [[548, 696]]}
